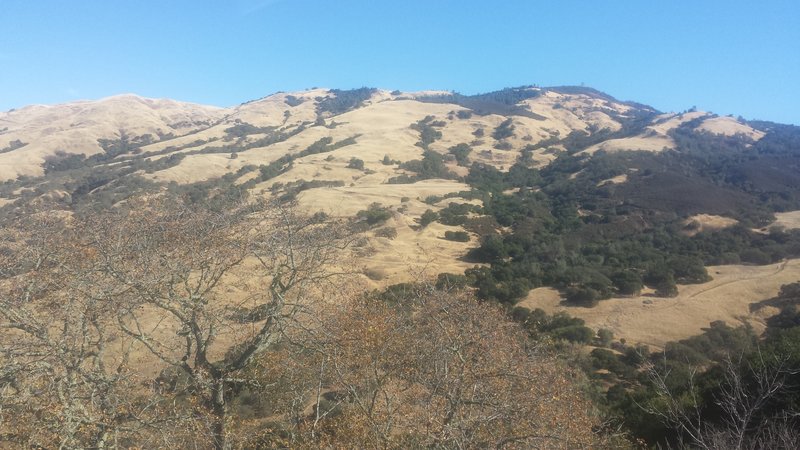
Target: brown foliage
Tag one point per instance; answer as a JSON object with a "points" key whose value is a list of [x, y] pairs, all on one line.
{"points": [[161, 326], [440, 371]]}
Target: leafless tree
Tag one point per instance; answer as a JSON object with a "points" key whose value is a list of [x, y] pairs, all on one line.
{"points": [[746, 389], [207, 292], [65, 380], [213, 304]]}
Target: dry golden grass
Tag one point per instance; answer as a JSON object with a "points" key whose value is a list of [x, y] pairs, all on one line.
{"points": [[789, 220], [76, 127], [656, 138], [707, 222], [729, 126], [619, 179], [655, 143], [655, 321]]}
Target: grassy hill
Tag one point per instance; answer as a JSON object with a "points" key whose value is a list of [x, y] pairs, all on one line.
{"points": [[593, 221]]}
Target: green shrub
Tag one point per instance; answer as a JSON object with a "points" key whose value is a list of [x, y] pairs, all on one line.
{"points": [[430, 166], [457, 236], [461, 153], [504, 130], [386, 232], [427, 133], [376, 213], [428, 217], [604, 337], [293, 101], [355, 163], [574, 333], [755, 256], [582, 296], [344, 100], [627, 282]]}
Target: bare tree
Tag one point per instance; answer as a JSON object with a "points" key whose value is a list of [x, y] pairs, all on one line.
{"points": [[746, 389], [212, 305], [206, 293], [65, 380]]}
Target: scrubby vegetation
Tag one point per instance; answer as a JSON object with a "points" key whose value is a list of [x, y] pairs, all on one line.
{"points": [[350, 380], [504, 130], [427, 131], [339, 101], [457, 236], [593, 241], [293, 101], [461, 153], [299, 366], [355, 163], [13, 145], [716, 389], [503, 102], [375, 214]]}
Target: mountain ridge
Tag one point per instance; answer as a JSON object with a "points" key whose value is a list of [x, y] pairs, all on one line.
{"points": [[342, 152], [266, 111]]}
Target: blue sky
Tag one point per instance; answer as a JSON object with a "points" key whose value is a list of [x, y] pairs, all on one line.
{"points": [[730, 57]]}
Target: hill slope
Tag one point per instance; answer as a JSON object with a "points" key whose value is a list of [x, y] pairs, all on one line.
{"points": [[29, 135], [532, 186]]}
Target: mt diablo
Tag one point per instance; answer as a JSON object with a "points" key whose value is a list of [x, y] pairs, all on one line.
{"points": [[381, 118], [366, 151]]}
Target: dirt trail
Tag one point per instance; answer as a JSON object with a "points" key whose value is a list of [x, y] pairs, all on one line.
{"points": [[781, 268]]}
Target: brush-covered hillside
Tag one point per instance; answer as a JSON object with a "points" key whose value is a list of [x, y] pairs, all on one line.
{"points": [[591, 221], [616, 168], [523, 188]]}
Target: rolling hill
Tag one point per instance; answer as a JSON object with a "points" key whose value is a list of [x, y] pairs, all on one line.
{"points": [[618, 237], [571, 161]]}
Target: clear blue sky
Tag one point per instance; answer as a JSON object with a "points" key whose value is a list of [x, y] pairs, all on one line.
{"points": [[730, 57]]}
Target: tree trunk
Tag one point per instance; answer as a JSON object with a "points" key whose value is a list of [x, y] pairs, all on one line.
{"points": [[218, 412]]}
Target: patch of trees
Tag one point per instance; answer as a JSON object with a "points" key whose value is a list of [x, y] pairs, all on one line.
{"points": [[504, 130], [503, 102], [290, 190], [725, 388], [430, 166], [116, 147], [293, 101], [545, 251], [427, 218], [60, 161], [427, 132], [387, 161], [355, 163], [13, 145], [284, 163], [340, 101], [217, 194], [243, 129], [461, 153], [456, 213], [375, 214], [617, 243], [456, 236]]}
